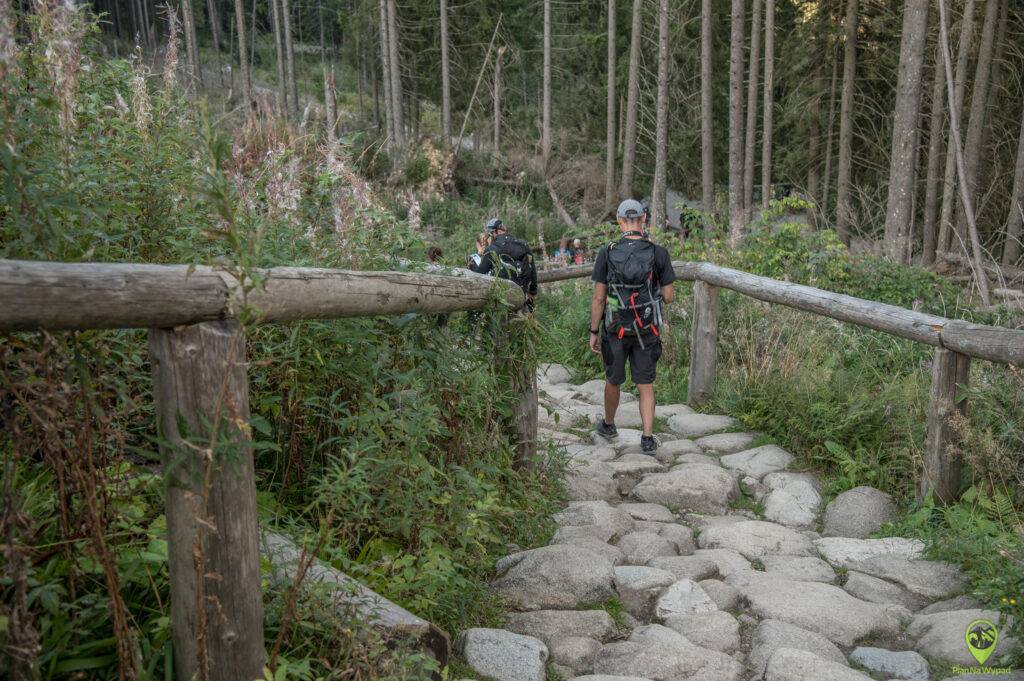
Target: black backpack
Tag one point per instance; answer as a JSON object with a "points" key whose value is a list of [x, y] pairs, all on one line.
{"points": [[634, 298], [514, 260]]}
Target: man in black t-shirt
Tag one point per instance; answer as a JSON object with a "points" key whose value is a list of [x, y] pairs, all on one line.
{"points": [[632, 278]]}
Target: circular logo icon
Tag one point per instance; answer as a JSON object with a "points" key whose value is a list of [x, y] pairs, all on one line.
{"points": [[982, 637]]}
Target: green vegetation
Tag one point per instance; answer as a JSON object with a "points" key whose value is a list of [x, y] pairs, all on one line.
{"points": [[380, 440]]}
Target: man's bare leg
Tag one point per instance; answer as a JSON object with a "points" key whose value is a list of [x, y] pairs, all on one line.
{"points": [[646, 391], [611, 402]]}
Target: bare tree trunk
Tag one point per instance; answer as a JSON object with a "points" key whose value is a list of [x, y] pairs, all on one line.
{"points": [[830, 135], [959, 87], [497, 99], [980, 278], [397, 108], [243, 53], [843, 208], [707, 115], [609, 166], [545, 133], [330, 104], [937, 118], [996, 85], [214, 18], [736, 203], [751, 135], [191, 44], [661, 128], [289, 52], [446, 91], [769, 105], [979, 106], [282, 82], [633, 89], [905, 129], [1015, 219], [385, 67]]}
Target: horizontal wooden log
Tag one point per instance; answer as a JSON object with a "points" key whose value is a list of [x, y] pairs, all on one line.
{"points": [[891, 319], [68, 296], [993, 343]]}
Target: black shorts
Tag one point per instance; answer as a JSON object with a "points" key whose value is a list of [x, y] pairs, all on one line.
{"points": [[642, 361]]}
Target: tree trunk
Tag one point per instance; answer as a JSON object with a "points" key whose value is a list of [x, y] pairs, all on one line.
{"points": [[282, 82], [707, 114], [980, 278], [633, 90], [214, 19], [751, 134], [330, 104], [243, 53], [661, 127], [289, 53], [497, 99], [1015, 219], [446, 91], [191, 44], [843, 208], [979, 107], [609, 167], [903, 158], [959, 88], [937, 118], [385, 68], [545, 133], [397, 107], [622, 125], [736, 208], [769, 105], [830, 136], [995, 89]]}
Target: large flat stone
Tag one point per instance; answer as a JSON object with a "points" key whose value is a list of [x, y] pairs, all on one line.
{"points": [[574, 652], [756, 539], [660, 654], [789, 664], [684, 597], [875, 590], [726, 443], [905, 664], [652, 512], [771, 635], [598, 513], [687, 567], [931, 579], [794, 505], [822, 608], [553, 374], [698, 425], [697, 487], [550, 625], [560, 576], [727, 561], [942, 635], [758, 462], [503, 656], [801, 569], [858, 512], [843, 551], [641, 547], [640, 586], [712, 630]]}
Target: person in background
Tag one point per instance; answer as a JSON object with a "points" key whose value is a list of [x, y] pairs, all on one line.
{"points": [[508, 258], [577, 252], [483, 240]]}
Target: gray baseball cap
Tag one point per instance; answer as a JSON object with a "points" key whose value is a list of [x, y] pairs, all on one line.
{"points": [[630, 209]]}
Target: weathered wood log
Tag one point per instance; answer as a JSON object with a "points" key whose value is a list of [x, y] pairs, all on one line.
{"points": [[560, 210], [350, 596], [1000, 271], [564, 273], [984, 342], [202, 405], [940, 473], [521, 425], [65, 296], [703, 344]]}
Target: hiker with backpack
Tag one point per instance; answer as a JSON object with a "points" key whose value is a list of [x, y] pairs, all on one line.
{"points": [[508, 258], [632, 279]]}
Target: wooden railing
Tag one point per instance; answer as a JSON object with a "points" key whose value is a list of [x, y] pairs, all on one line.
{"points": [[955, 342], [197, 353]]}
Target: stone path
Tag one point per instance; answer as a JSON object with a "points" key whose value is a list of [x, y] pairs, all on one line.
{"points": [[714, 562]]}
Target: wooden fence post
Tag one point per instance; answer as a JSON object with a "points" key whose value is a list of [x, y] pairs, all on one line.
{"points": [[522, 426], [703, 343], [941, 470], [202, 402]]}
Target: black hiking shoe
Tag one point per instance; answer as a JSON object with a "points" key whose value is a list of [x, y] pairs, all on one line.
{"points": [[607, 430], [648, 445]]}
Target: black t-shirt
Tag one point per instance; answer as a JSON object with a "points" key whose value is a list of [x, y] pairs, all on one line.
{"points": [[663, 272]]}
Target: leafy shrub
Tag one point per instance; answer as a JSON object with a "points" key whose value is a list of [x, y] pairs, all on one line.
{"points": [[417, 168]]}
